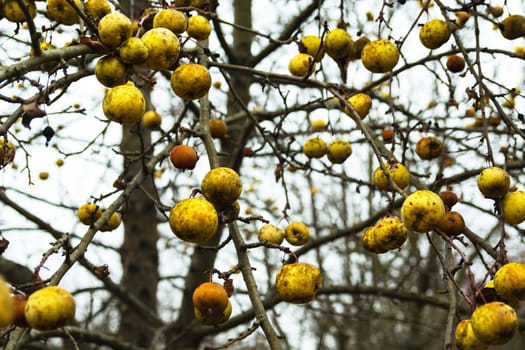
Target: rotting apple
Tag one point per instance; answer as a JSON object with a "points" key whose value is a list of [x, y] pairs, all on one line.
{"points": [[296, 233], [222, 186], [422, 211], [298, 283], [194, 220]]}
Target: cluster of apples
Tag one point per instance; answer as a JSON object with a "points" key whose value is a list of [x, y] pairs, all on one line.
{"points": [[151, 41], [434, 215], [494, 183], [57, 10], [427, 148], [296, 283], [88, 213], [495, 321], [296, 233], [339, 150], [379, 56], [387, 234], [48, 308], [421, 211], [436, 32], [452, 223], [196, 219], [156, 46]]}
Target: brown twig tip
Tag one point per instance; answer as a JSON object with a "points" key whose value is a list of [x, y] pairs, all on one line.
{"points": [[101, 271], [228, 286], [62, 242], [238, 338], [272, 246], [195, 192], [4, 243]]}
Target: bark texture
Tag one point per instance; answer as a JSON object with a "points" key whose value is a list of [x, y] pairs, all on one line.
{"points": [[139, 254]]}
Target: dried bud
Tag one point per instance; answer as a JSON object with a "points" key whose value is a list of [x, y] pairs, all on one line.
{"points": [[228, 286], [102, 271], [4, 243]]}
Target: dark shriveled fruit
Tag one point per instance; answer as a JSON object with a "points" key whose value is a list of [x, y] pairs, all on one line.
{"points": [[455, 63], [449, 198], [452, 223]]}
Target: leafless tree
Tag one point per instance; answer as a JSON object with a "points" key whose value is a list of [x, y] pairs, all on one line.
{"points": [[134, 286]]}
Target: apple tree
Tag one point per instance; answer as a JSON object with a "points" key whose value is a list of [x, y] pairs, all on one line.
{"points": [[262, 174]]}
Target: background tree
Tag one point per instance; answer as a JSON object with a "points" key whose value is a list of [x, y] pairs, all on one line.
{"points": [[133, 286]]}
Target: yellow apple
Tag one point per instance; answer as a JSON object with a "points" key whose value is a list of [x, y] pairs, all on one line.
{"points": [[270, 233], [422, 211], [513, 207], [296, 233], [298, 283], [509, 281], [49, 308], [493, 182], [494, 323]]}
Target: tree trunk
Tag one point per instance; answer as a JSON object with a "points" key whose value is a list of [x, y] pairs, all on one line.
{"points": [[239, 95], [139, 253]]}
